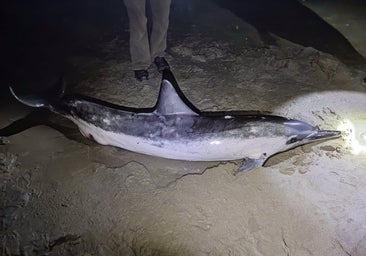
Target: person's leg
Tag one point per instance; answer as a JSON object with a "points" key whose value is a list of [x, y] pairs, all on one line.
{"points": [[139, 42], [160, 22]]}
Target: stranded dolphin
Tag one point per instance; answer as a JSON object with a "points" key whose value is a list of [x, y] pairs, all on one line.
{"points": [[175, 129]]}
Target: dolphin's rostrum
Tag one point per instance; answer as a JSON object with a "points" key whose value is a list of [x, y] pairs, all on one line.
{"points": [[175, 129]]}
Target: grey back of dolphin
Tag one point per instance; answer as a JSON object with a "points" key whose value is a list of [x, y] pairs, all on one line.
{"points": [[175, 129]]}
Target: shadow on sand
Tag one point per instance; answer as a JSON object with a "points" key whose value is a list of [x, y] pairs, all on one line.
{"points": [[295, 22]]}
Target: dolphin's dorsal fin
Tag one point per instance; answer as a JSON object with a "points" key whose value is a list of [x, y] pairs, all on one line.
{"points": [[171, 100]]}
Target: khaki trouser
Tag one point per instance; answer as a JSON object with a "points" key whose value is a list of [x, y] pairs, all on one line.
{"points": [[142, 52]]}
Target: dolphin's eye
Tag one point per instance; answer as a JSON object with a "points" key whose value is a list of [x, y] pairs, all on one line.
{"points": [[292, 140]]}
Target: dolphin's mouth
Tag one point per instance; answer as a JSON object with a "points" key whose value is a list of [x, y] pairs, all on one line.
{"points": [[322, 134]]}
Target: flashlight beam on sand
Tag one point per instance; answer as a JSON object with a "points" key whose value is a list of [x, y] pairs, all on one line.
{"points": [[354, 135]]}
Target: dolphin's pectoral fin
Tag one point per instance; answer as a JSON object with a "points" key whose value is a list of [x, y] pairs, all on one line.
{"points": [[251, 163]]}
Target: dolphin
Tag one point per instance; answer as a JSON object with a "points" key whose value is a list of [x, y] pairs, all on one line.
{"points": [[174, 128]]}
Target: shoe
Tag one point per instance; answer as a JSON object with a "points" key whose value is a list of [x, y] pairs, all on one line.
{"points": [[141, 75], [161, 64]]}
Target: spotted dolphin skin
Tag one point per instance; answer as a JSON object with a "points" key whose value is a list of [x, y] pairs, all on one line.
{"points": [[175, 129]]}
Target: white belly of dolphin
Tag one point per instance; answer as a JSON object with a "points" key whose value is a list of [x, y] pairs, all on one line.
{"points": [[217, 149]]}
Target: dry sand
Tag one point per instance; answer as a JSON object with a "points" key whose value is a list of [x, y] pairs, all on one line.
{"points": [[63, 195]]}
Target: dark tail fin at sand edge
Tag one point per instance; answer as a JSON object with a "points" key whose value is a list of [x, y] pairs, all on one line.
{"points": [[41, 99]]}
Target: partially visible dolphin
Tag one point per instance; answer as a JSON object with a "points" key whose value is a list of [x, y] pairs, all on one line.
{"points": [[175, 129]]}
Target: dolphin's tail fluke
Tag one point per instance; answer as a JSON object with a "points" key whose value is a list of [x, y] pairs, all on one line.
{"points": [[31, 100], [323, 135], [43, 99]]}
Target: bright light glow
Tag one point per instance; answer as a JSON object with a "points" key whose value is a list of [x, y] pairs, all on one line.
{"points": [[363, 138], [355, 136]]}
